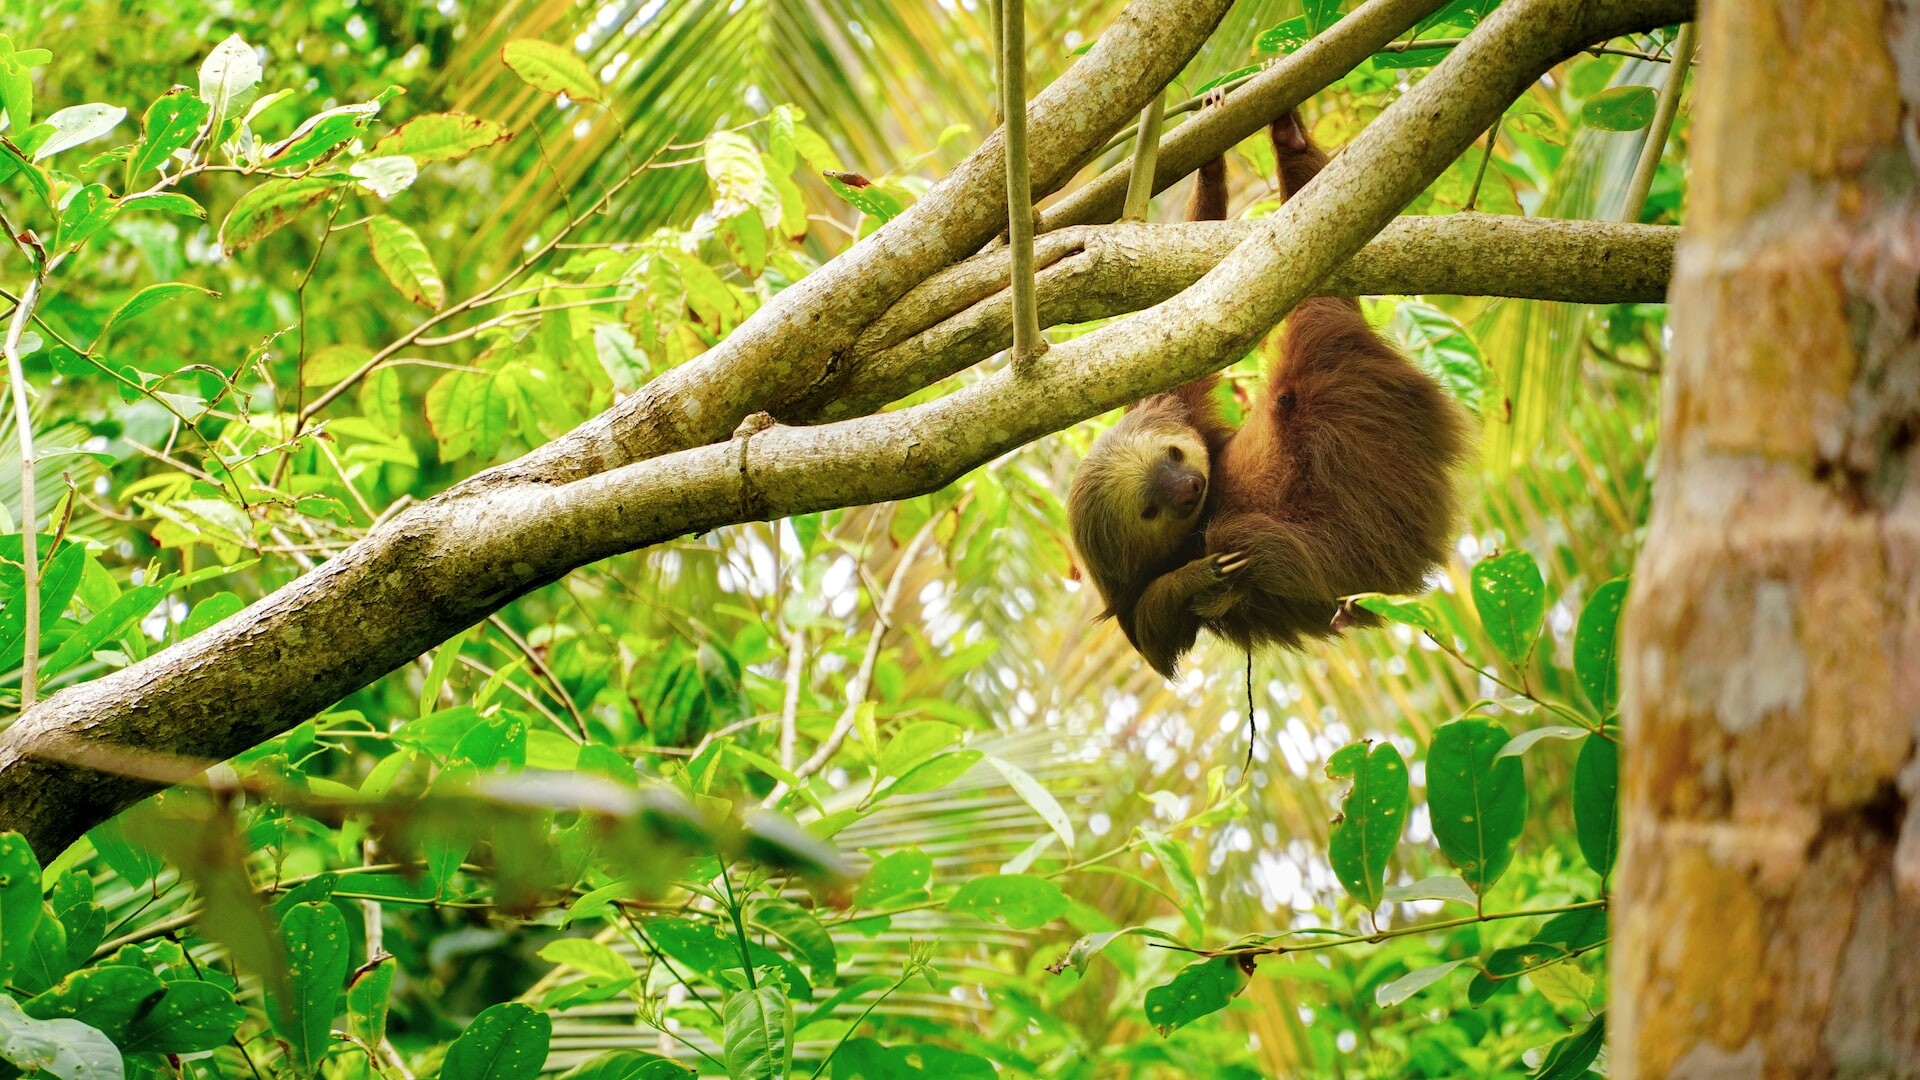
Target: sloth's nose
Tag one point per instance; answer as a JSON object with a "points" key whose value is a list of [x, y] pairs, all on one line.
{"points": [[1188, 491]]}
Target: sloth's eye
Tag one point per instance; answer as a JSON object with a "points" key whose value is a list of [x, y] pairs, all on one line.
{"points": [[1174, 453], [1152, 511]]}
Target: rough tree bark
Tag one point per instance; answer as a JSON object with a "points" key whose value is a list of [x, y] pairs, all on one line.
{"points": [[1768, 922], [660, 464]]}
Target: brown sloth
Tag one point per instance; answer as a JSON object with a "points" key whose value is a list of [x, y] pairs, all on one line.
{"points": [[1339, 481]]}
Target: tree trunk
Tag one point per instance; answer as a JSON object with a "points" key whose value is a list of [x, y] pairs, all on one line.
{"points": [[1769, 895]]}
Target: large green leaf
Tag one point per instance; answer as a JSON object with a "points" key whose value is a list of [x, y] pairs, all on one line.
{"points": [[1017, 900], [1596, 661], [1596, 802], [20, 907], [1478, 799], [315, 938], [758, 1037], [63, 1048], [505, 1042]]}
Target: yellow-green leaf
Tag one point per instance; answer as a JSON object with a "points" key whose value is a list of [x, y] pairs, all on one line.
{"points": [[402, 256], [440, 137], [555, 69]]}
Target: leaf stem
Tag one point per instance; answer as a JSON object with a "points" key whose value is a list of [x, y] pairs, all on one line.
{"points": [[29, 516]]}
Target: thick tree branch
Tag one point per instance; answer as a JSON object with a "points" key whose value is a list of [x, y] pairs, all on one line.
{"points": [[429, 573], [1100, 271]]}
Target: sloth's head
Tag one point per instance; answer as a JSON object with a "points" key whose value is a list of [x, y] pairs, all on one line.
{"points": [[1137, 496]]}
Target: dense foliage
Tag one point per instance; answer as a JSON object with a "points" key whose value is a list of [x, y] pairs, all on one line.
{"points": [[861, 794]]}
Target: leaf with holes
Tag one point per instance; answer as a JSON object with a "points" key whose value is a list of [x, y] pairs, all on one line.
{"points": [[1202, 987], [1511, 598], [170, 124], [1371, 817], [505, 1042]]}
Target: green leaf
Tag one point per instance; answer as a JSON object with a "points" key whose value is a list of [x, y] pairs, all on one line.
{"points": [[440, 137], [1371, 817], [14, 161], [1570, 1057], [87, 211], [110, 623], [146, 300], [628, 1065], [229, 77], [1092, 945], [20, 906], [758, 1038], [1511, 599], [167, 202], [1016, 900], [1524, 741], [1620, 108], [935, 773], [1178, 868], [368, 996], [402, 256], [44, 961], [1414, 613], [1202, 987], [903, 875], [1478, 800], [320, 133], [590, 956], [505, 1042], [268, 208], [552, 68], [1035, 795], [1433, 888], [214, 609], [108, 998], [85, 921], [1596, 662], [866, 196], [170, 124], [1411, 983], [915, 743], [190, 1017], [1596, 803], [62, 1048], [59, 579], [77, 124], [802, 933], [333, 363], [315, 936]]}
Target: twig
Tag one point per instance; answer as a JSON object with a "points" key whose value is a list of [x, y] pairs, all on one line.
{"points": [[1493, 136], [1146, 154], [1382, 935], [1027, 342], [29, 515], [540, 668], [863, 678], [1663, 113]]}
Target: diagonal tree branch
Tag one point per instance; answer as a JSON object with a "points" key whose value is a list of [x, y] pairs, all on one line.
{"points": [[429, 573]]}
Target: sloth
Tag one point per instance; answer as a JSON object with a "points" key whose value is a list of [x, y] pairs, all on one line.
{"points": [[1340, 480]]}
